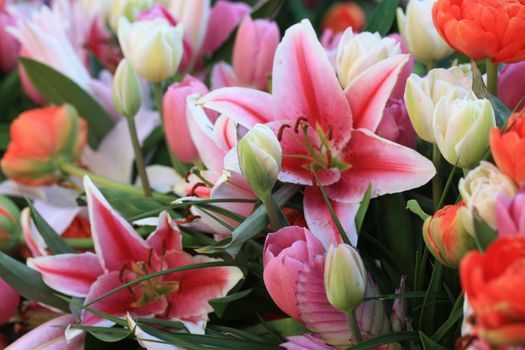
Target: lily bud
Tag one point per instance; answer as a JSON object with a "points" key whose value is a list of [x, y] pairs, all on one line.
{"points": [[9, 227], [420, 34], [344, 278], [260, 158], [461, 130], [358, 51], [126, 92], [154, 47], [126, 8], [480, 190], [446, 236], [423, 94], [41, 139]]}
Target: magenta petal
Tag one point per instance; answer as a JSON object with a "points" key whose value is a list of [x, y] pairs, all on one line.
{"points": [[116, 242], [305, 342], [222, 75], [166, 237], [320, 221], [387, 166], [246, 107], [370, 91], [305, 84], [9, 300], [197, 287], [71, 274]]}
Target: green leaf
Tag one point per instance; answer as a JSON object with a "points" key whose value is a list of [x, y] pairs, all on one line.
{"points": [[428, 309], [29, 283], [415, 208], [267, 9], [106, 334], [383, 17], [55, 243], [485, 234], [389, 338], [219, 305], [429, 344], [284, 327], [59, 89], [363, 208]]}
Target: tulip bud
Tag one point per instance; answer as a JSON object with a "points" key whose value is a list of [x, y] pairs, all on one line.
{"points": [[9, 227], [126, 8], [126, 92], [511, 85], [510, 214], [446, 236], [344, 278], [154, 47], [357, 52], [41, 140], [480, 190], [423, 94], [418, 31], [461, 130], [260, 158]]}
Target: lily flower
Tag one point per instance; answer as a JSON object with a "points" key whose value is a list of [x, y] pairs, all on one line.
{"points": [[122, 256], [327, 131]]}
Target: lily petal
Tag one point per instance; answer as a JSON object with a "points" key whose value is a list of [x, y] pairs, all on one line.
{"points": [[71, 274], [387, 166], [370, 91], [305, 84], [116, 242], [166, 237]]}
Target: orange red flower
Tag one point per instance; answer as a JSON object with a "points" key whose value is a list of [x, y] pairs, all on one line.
{"points": [[343, 15], [41, 139], [494, 283], [508, 146], [483, 28]]}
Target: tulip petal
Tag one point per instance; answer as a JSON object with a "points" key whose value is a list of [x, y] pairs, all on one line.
{"points": [[370, 91], [222, 75], [9, 301], [385, 165], [71, 274], [305, 342], [320, 222], [305, 84], [166, 237], [116, 242], [246, 107]]}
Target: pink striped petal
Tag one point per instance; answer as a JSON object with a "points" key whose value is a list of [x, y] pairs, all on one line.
{"points": [[117, 304], [225, 133], [246, 107], [369, 93], [71, 274], [198, 287], [34, 241], [387, 166], [320, 221], [306, 342], [9, 301], [166, 237], [222, 75], [305, 84], [116, 242]]}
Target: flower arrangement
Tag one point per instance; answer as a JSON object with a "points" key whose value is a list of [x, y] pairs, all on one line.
{"points": [[265, 174]]}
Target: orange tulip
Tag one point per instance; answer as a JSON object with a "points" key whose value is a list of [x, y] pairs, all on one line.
{"points": [[494, 282], [508, 147], [343, 15], [41, 139], [483, 28]]}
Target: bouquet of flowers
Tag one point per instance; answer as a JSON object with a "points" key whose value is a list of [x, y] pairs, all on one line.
{"points": [[271, 174]]}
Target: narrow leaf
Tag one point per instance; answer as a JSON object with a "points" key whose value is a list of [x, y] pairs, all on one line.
{"points": [[55, 243], [219, 305], [383, 17], [363, 208], [389, 338], [106, 334], [267, 8], [429, 344]]}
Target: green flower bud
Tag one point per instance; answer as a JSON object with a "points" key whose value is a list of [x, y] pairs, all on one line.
{"points": [[126, 90]]}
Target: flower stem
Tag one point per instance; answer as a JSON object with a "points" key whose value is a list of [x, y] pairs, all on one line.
{"points": [[277, 218], [177, 164], [139, 160], [436, 180], [354, 326], [492, 77]]}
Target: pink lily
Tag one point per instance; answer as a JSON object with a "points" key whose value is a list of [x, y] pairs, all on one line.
{"points": [[121, 256], [327, 130], [253, 53]]}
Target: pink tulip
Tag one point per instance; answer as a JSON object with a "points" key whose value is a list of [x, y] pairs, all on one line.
{"points": [[8, 45], [330, 42], [510, 214], [253, 53], [306, 342], [396, 126], [340, 144], [123, 256], [511, 86], [50, 336], [175, 122], [399, 90], [9, 300]]}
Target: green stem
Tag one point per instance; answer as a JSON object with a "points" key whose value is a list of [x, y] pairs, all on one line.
{"points": [[177, 164], [492, 77], [139, 160], [354, 326], [74, 170], [274, 213], [436, 181], [447, 187]]}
